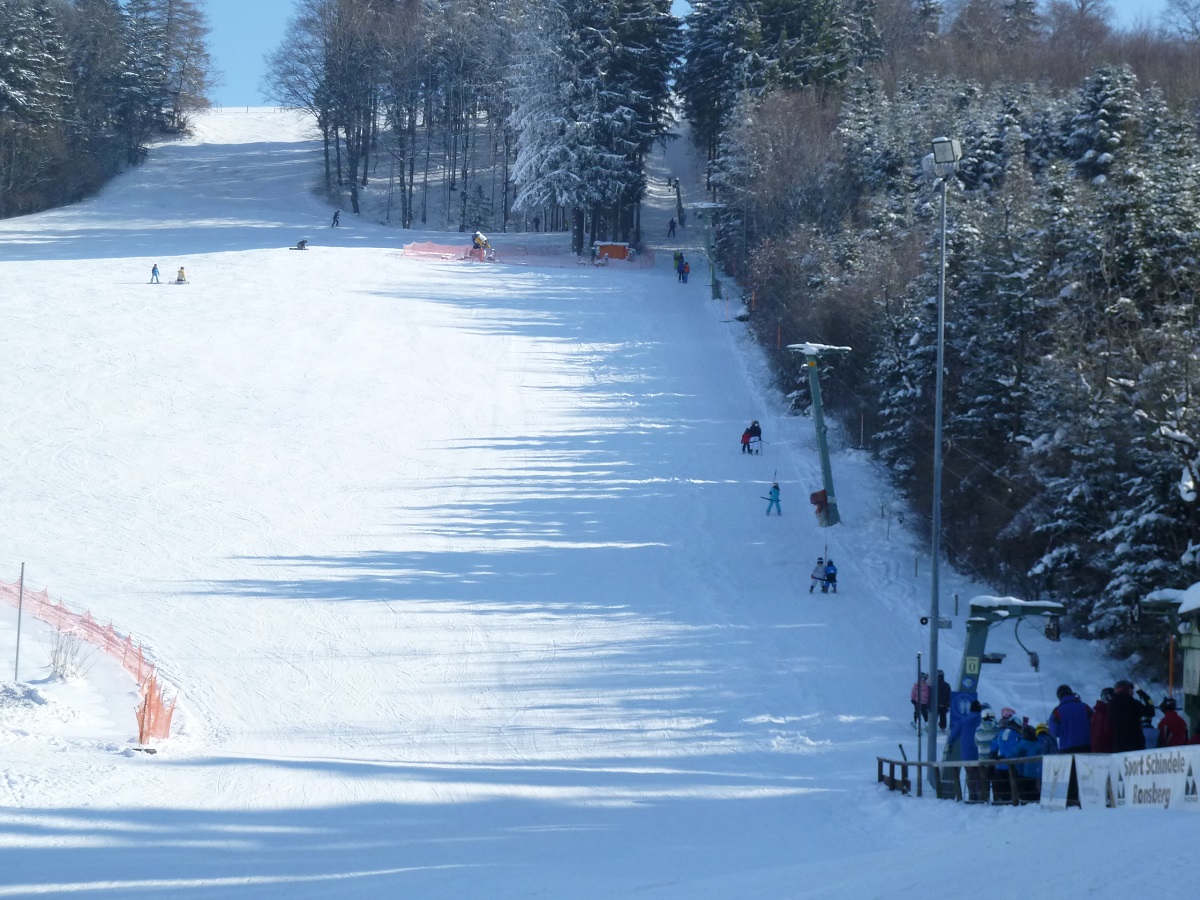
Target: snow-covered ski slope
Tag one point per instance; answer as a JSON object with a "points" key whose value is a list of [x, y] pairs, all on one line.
{"points": [[467, 587]]}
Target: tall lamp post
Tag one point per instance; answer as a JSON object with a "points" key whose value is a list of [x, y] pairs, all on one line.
{"points": [[946, 154], [707, 213]]}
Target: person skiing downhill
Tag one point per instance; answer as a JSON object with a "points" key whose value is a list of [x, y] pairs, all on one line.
{"points": [[154, 275], [818, 575], [337, 219], [773, 496]]}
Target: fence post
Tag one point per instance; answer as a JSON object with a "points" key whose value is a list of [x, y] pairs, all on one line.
{"points": [[20, 604]]}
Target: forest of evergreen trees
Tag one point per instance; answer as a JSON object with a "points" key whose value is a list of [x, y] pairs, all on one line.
{"points": [[1071, 432], [568, 96], [84, 84]]}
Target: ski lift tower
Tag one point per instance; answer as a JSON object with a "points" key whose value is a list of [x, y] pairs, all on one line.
{"points": [[982, 614], [707, 213], [827, 510], [1182, 610]]}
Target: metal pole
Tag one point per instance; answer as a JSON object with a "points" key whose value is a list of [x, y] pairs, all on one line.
{"points": [[917, 720], [934, 611], [20, 605]]}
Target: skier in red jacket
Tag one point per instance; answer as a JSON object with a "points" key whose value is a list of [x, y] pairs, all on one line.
{"points": [[1172, 730], [1101, 725]]}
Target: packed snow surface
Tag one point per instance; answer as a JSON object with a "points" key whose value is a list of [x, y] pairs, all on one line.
{"points": [[464, 583]]}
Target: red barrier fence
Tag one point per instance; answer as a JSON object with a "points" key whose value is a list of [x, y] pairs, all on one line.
{"points": [[519, 255], [153, 712]]}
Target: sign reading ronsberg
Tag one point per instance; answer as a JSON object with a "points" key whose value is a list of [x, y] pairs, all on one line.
{"points": [[1163, 778]]}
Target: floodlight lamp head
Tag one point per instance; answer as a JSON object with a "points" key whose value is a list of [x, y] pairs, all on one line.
{"points": [[946, 151]]}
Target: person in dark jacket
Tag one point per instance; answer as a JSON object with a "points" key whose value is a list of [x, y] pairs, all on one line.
{"points": [[1172, 730], [1071, 722], [1126, 713], [943, 699], [1101, 737]]}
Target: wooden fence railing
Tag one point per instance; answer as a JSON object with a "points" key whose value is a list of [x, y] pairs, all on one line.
{"points": [[1004, 788]]}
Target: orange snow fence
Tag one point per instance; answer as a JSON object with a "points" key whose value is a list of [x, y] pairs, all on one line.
{"points": [[153, 712], [542, 256]]}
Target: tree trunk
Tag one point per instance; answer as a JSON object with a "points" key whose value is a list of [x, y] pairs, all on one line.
{"points": [[337, 149], [577, 230], [325, 145]]}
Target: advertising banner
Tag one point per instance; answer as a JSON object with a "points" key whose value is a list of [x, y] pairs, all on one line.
{"points": [[1165, 779], [1092, 772], [1056, 776]]}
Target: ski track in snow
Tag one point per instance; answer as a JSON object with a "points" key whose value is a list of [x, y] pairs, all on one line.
{"points": [[466, 585]]}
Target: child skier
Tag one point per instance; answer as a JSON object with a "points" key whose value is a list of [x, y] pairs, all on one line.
{"points": [[830, 577], [746, 441], [773, 496], [818, 575]]}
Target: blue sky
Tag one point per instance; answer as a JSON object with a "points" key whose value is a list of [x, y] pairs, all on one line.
{"points": [[244, 31]]}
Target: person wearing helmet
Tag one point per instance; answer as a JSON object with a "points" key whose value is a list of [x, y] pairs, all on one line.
{"points": [[1172, 730], [985, 734], [1029, 774], [1071, 722], [1101, 729], [962, 732], [773, 498], [1004, 745], [818, 575], [830, 577], [1047, 746]]}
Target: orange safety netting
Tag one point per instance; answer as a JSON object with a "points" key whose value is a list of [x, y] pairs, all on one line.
{"points": [[518, 255], [153, 713]]}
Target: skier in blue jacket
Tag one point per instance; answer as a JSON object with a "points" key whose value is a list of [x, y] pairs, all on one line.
{"points": [[962, 732], [1071, 722], [830, 577], [1004, 746], [773, 496], [1029, 775]]}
